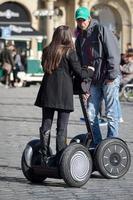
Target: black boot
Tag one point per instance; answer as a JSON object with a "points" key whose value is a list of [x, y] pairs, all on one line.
{"points": [[61, 141], [61, 144], [45, 141]]}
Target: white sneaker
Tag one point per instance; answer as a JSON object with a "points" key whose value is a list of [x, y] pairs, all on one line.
{"points": [[20, 84]]}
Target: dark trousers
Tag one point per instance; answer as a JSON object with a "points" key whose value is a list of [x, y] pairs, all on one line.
{"points": [[62, 122]]}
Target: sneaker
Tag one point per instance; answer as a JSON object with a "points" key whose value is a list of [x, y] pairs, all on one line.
{"points": [[121, 120], [20, 84]]}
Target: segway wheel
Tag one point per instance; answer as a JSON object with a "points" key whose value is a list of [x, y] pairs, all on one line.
{"points": [[31, 157], [112, 158], [76, 165]]}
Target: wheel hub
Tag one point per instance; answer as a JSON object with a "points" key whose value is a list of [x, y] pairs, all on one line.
{"points": [[115, 159], [79, 166]]}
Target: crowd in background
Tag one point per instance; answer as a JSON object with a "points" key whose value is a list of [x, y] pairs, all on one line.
{"points": [[12, 61], [14, 56], [126, 66]]}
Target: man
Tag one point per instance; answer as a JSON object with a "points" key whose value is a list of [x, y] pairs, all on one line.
{"points": [[98, 47]]}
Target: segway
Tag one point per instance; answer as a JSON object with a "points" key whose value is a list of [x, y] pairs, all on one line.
{"points": [[76, 163]]}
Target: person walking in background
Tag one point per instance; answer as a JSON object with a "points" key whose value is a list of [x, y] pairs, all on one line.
{"points": [[7, 63], [97, 46], [59, 61], [127, 70], [18, 66], [24, 59]]}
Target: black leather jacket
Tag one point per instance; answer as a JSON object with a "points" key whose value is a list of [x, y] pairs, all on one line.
{"points": [[98, 46]]}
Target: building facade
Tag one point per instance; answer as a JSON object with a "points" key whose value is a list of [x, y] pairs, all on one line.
{"points": [[29, 22]]}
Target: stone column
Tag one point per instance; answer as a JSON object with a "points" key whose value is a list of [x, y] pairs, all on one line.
{"points": [[49, 19], [39, 47], [132, 30], [126, 36], [84, 3]]}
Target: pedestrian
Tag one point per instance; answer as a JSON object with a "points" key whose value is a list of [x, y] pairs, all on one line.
{"points": [[127, 70], [18, 67], [59, 60], [7, 63], [97, 46]]}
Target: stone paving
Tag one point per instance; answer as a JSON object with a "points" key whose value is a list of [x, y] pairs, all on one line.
{"points": [[19, 123]]}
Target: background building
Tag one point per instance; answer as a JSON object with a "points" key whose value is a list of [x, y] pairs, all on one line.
{"points": [[29, 22]]}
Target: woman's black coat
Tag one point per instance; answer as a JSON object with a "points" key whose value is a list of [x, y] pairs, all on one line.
{"points": [[56, 90]]}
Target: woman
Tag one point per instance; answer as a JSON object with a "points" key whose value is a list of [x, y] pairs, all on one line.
{"points": [[59, 60], [7, 63], [18, 66]]}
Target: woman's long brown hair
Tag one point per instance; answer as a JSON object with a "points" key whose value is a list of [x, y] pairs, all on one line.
{"points": [[61, 43]]}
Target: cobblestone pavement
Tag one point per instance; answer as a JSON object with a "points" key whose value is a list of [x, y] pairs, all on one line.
{"points": [[19, 123]]}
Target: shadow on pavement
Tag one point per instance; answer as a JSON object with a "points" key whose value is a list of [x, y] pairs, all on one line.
{"points": [[12, 179], [25, 181]]}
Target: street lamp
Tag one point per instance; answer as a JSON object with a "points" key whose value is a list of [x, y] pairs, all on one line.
{"points": [[52, 16]]}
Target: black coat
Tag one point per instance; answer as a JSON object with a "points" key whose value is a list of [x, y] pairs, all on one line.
{"points": [[98, 47], [56, 90], [6, 56]]}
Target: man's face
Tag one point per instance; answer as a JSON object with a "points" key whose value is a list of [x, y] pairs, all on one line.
{"points": [[82, 23]]}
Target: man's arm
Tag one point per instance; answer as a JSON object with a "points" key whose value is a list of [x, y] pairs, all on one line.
{"points": [[112, 53]]}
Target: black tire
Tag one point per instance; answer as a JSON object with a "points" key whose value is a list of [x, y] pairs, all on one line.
{"points": [[112, 158], [76, 165], [35, 159]]}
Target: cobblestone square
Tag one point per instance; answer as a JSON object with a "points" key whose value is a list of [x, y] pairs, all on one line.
{"points": [[19, 123]]}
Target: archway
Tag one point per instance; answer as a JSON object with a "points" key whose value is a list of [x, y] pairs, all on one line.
{"points": [[109, 17], [13, 12], [15, 25], [121, 18]]}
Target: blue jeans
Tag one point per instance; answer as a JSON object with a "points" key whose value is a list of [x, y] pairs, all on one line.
{"points": [[110, 93]]}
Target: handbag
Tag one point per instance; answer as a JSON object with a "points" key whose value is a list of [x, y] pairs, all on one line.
{"points": [[7, 67]]}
